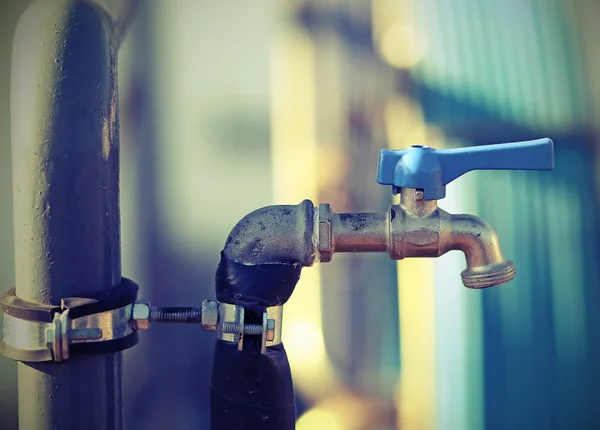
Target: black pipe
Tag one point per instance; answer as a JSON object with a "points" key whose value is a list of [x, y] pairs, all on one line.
{"points": [[260, 266], [65, 152]]}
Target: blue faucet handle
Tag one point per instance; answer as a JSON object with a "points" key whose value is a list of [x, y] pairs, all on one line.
{"points": [[431, 169]]}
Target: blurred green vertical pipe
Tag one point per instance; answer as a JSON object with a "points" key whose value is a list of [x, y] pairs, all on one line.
{"points": [[66, 199]]}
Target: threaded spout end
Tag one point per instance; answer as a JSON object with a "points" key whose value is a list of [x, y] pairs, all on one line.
{"points": [[489, 275]]}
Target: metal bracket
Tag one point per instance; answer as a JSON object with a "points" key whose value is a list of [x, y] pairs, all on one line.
{"points": [[232, 328], [36, 332]]}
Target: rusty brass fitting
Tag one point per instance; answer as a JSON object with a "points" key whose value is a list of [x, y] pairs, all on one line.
{"points": [[417, 228]]}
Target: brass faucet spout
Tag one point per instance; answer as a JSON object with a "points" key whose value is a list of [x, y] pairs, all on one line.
{"points": [[486, 267], [473, 236]]}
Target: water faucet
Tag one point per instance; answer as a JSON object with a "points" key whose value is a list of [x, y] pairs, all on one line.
{"points": [[290, 237], [417, 227]]}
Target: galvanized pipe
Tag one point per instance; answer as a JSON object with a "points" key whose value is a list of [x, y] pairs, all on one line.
{"points": [[65, 150]]}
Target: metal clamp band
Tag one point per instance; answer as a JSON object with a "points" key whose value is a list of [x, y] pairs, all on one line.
{"points": [[37, 332], [232, 328]]}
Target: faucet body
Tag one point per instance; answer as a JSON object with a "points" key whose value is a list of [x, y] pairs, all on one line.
{"points": [[417, 228]]}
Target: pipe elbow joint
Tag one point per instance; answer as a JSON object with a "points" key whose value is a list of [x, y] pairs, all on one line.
{"points": [[486, 267], [264, 254]]}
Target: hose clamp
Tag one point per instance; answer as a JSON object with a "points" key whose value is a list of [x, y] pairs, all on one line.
{"points": [[35, 332], [231, 326]]}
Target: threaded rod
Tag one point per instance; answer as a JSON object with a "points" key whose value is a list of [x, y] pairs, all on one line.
{"points": [[191, 315], [251, 329], [187, 315]]}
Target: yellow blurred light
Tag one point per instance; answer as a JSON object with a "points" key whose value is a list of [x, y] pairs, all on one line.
{"points": [[303, 340], [395, 30], [402, 117], [417, 351], [348, 410], [405, 125], [320, 419], [402, 46]]}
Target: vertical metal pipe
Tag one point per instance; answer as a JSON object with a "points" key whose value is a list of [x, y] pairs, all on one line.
{"points": [[66, 198]]}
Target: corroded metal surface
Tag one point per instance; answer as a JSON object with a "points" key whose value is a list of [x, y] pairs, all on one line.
{"points": [[264, 254], [273, 234]]}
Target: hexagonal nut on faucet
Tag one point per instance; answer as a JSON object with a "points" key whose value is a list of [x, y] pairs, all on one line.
{"points": [[210, 315], [325, 233], [141, 315]]}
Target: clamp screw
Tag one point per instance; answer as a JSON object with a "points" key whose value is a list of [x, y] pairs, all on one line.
{"points": [[207, 315], [176, 315], [144, 314], [251, 329]]}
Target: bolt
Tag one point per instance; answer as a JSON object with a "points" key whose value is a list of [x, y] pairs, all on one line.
{"points": [[210, 315], [207, 315], [325, 245], [141, 315], [251, 329], [176, 315], [419, 195]]}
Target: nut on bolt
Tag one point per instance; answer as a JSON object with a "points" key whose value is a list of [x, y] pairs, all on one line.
{"points": [[270, 332], [325, 234], [141, 315], [210, 315]]}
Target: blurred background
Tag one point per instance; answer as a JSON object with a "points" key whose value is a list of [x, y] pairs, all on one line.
{"points": [[226, 107]]}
